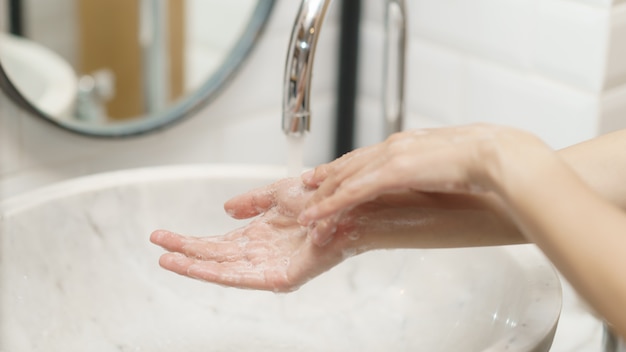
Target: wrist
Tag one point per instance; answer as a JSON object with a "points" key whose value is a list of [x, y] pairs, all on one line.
{"points": [[515, 160]]}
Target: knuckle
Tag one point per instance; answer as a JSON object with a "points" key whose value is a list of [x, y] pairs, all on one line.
{"points": [[399, 164]]}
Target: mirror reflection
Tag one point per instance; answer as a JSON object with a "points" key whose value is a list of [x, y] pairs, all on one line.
{"points": [[124, 66]]}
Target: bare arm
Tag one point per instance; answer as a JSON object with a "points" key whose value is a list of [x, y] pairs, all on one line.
{"points": [[273, 252], [583, 234], [601, 163], [543, 201], [571, 220]]}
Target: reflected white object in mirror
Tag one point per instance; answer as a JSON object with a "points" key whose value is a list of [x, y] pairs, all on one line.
{"points": [[41, 75]]}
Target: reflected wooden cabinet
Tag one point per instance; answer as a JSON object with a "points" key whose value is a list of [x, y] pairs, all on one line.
{"points": [[109, 37]]}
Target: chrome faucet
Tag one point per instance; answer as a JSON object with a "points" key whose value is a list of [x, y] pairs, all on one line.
{"points": [[297, 85], [395, 61]]}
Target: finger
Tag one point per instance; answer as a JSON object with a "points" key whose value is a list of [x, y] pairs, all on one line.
{"points": [[322, 232], [252, 203], [348, 165], [176, 262], [209, 248], [393, 165], [360, 188], [240, 274], [168, 240], [397, 174], [313, 178], [358, 166]]}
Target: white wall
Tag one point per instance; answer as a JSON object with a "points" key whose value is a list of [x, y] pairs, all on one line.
{"points": [[241, 126], [554, 67]]}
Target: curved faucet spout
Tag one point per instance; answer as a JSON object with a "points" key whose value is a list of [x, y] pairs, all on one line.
{"points": [[298, 69], [297, 85], [395, 54]]}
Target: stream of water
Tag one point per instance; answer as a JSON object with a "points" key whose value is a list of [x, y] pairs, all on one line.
{"points": [[295, 146]]}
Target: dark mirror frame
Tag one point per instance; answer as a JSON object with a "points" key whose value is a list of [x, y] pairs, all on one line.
{"points": [[182, 109]]}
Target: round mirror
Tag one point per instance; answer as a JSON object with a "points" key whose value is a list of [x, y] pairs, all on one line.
{"points": [[115, 68]]}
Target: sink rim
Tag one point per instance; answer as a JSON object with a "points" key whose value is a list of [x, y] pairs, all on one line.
{"points": [[539, 335]]}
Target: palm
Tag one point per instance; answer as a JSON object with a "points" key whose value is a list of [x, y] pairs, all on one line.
{"points": [[272, 252]]}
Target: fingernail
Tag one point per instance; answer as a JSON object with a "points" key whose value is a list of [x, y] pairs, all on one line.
{"points": [[320, 240], [158, 235], [306, 215], [301, 219]]}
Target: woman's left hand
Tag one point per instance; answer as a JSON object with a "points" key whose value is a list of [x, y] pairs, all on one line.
{"points": [[272, 252]]}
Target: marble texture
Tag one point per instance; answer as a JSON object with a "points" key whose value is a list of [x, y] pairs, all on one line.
{"points": [[78, 273]]}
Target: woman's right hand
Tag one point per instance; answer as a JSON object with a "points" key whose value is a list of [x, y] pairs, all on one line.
{"points": [[464, 160]]}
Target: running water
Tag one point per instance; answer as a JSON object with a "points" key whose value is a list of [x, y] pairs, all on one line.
{"points": [[295, 150]]}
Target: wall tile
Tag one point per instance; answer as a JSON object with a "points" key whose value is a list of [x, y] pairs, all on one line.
{"points": [[497, 29], [430, 78], [613, 110], [557, 113], [434, 82], [564, 40], [369, 124], [570, 43], [616, 60], [538, 65], [370, 61], [447, 86]]}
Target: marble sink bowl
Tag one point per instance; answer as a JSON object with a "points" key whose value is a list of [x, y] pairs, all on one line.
{"points": [[78, 273]]}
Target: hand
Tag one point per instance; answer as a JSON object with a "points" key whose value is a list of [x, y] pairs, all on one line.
{"points": [[273, 252], [459, 160]]}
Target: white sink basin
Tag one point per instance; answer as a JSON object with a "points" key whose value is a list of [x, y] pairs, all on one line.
{"points": [[78, 273]]}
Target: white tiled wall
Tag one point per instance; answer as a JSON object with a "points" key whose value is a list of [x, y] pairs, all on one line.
{"points": [[241, 125], [555, 67]]}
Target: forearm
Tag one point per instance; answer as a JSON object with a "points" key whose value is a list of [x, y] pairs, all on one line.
{"points": [[583, 234], [601, 163], [432, 221], [465, 221]]}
